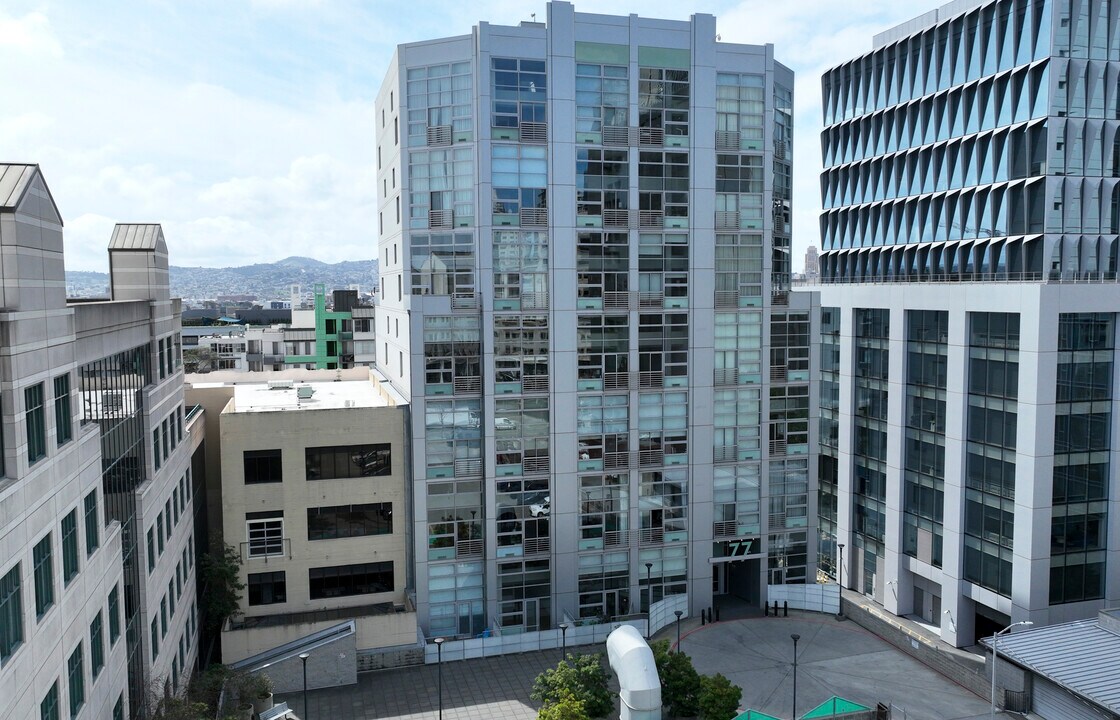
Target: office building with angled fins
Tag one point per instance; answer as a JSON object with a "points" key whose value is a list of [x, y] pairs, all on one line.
{"points": [[968, 299]]}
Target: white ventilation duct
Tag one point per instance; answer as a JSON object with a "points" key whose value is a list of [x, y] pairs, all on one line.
{"points": [[632, 661]]}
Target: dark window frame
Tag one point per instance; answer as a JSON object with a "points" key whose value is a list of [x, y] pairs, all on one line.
{"points": [[35, 417], [43, 573], [348, 461], [348, 521], [11, 612], [70, 563], [263, 466], [269, 588], [349, 580]]}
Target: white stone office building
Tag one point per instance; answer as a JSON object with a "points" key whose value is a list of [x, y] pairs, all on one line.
{"points": [[584, 253], [968, 309], [79, 402], [313, 498]]}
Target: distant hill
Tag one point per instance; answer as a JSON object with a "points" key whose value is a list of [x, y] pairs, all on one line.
{"points": [[268, 281]]}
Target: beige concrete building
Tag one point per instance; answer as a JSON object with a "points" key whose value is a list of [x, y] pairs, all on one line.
{"points": [[313, 499]]}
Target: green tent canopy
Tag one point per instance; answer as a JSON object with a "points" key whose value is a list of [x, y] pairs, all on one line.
{"points": [[835, 707], [755, 715]]}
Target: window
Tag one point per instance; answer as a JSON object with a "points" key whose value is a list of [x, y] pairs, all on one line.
{"points": [[262, 466], [69, 546], [171, 597], [151, 550], [76, 680], [163, 616], [44, 577], [343, 521], [267, 588], [520, 88], [11, 613], [155, 639], [155, 448], [36, 427], [348, 461], [114, 614], [346, 580], [63, 419], [265, 531], [92, 539], [96, 645], [159, 531], [118, 708], [48, 708]]}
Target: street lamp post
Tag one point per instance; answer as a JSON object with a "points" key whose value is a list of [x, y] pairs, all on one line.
{"points": [[563, 640], [795, 638], [840, 582], [439, 672], [303, 657], [995, 657], [649, 600], [678, 613]]}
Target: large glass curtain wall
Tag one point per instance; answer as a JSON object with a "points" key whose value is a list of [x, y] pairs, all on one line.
{"points": [[110, 392], [927, 350], [1082, 430], [829, 434], [993, 388], [870, 448]]}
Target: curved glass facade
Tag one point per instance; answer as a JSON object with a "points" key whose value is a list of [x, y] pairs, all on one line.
{"points": [[982, 147]]}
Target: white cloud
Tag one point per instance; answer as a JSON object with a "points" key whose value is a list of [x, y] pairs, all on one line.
{"points": [[249, 131], [30, 35]]}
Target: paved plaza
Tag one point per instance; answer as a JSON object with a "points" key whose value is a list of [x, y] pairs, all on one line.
{"points": [[834, 658]]}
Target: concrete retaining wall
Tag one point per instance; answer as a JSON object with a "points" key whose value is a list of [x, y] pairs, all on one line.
{"points": [[970, 674]]}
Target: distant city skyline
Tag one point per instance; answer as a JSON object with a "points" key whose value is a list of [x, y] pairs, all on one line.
{"points": [[247, 128]]}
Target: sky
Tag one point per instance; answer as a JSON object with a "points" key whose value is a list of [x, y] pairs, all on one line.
{"points": [[246, 127]]}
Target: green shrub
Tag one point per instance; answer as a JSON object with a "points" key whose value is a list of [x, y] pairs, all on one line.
{"points": [[568, 707], [680, 683], [719, 699], [582, 677]]}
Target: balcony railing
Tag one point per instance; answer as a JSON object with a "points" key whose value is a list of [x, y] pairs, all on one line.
{"points": [[534, 132], [533, 217], [441, 218], [468, 385], [468, 548], [728, 528], [534, 384], [439, 135], [536, 546]]}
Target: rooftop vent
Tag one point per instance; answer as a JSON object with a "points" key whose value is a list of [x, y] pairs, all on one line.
{"points": [[279, 384], [304, 392]]}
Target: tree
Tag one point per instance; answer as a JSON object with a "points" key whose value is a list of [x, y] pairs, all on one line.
{"points": [[719, 699], [221, 584], [568, 707], [581, 676], [680, 683]]}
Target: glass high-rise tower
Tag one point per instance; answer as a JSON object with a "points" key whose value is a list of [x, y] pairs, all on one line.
{"points": [[584, 252]]}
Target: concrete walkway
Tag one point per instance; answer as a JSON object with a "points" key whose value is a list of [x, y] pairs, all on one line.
{"points": [[834, 658]]}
